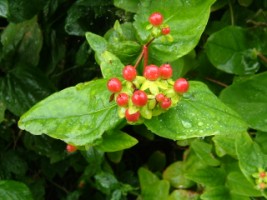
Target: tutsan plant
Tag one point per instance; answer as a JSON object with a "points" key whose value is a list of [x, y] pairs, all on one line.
{"points": [[169, 101]]}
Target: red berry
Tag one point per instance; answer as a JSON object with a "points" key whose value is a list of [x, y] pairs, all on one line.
{"points": [[122, 99], [151, 72], [165, 31], [160, 97], [165, 71], [70, 148], [262, 174], [156, 19], [132, 117], [139, 98], [181, 85], [114, 85], [129, 73], [166, 103]]}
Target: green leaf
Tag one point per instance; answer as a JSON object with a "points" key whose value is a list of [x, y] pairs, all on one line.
{"points": [[203, 151], [249, 98], [183, 195], [151, 187], [3, 8], [22, 43], [128, 5], [96, 42], [198, 114], [261, 139], [14, 190], [206, 175], [187, 21], [78, 115], [115, 141], [225, 144], [23, 87], [221, 193], [231, 51], [2, 111], [175, 174], [238, 184], [21, 10], [122, 42], [250, 156], [83, 14], [110, 64]]}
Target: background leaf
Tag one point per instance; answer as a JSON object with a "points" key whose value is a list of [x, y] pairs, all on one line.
{"points": [[115, 141], [14, 190], [231, 51], [78, 115], [248, 97], [2, 111], [22, 44], [151, 187], [20, 10], [23, 87], [199, 113], [128, 5], [187, 21]]}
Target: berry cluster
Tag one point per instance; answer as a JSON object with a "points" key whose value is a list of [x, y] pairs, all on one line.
{"points": [[157, 27], [260, 179], [149, 95]]}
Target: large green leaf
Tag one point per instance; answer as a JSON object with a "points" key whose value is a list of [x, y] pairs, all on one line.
{"points": [[151, 187], [230, 50], [200, 113], [22, 88], [3, 8], [14, 190], [183, 195], [21, 10], [115, 141], [187, 21], [249, 98], [78, 115], [22, 43]]}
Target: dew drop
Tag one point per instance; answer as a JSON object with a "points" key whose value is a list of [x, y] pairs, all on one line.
{"points": [[200, 124], [186, 124]]}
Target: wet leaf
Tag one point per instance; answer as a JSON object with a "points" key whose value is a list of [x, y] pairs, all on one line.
{"points": [[200, 113]]}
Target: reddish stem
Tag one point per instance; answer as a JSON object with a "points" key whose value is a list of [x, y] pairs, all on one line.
{"points": [[145, 50], [144, 54]]}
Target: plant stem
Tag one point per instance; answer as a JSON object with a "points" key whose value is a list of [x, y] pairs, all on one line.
{"points": [[144, 54], [262, 57], [145, 50], [217, 82], [231, 13]]}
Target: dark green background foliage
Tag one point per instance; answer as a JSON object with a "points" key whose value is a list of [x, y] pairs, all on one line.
{"points": [[55, 59]]}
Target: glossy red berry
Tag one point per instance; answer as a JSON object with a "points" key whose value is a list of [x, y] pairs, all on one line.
{"points": [[151, 72], [129, 73], [139, 98], [165, 31], [132, 117], [166, 103], [114, 85], [156, 19], [181, 85], [160, 97], [70, 148], [165, 71], [122, 99]]}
